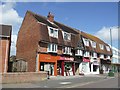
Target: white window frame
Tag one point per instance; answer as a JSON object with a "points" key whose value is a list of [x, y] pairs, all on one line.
{"points": [[87, 54], [108, 48], [53, 48], [108, 57], [93, 44], [86, 41], [67, 50], [101, 56], [94, 55], [68, 34], [79, 53], [101, 46], [55, 35]]}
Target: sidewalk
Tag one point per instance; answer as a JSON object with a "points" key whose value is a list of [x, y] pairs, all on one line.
{"points": [[70, 77]]}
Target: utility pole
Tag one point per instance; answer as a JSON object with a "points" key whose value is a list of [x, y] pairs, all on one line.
{"points": [[111, 37]]}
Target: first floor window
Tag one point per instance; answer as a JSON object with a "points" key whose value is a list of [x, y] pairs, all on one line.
{"points": [[52, 48], [67, 50]]}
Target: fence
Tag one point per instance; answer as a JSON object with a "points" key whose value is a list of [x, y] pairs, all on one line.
{"points": [[19, 65]]}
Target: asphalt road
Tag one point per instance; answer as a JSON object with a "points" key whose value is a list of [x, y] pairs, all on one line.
{"points": [[72, 82]]}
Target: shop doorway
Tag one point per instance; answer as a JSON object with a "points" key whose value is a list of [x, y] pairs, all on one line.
{"points": [[47, 67]]}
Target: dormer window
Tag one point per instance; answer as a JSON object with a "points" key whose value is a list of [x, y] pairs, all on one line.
{"points": [[93, 44], [66, 36], [108, 48], [86, 41], [101, 46], [53, 32]]}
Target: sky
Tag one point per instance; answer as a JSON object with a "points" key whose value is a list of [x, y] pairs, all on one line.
{"points": [[96, 18]]}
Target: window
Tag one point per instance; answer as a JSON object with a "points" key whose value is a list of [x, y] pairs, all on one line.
{"points": [[101, 46], [53, 32], [108, 57], [93, 44], [66, 36], [86, 41], [108, 48], [86, 54], [67, 50], [52, 48], [101, 56], [79, 52], [94, 55]]}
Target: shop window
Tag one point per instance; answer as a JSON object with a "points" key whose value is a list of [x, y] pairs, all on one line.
{"points": [[52, 48], [53, 32], [66, 36]]}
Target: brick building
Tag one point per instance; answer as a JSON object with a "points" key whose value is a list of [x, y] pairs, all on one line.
{"points": [[48, 45], [5, 42]]}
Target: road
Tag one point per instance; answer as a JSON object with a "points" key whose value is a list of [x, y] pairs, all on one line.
{"points": [[71, 82]]}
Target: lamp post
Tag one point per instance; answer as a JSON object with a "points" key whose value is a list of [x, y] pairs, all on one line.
{"points": [[111, 37]]}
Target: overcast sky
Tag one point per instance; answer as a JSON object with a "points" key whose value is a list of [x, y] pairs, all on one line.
{"points": [[96, 18]]}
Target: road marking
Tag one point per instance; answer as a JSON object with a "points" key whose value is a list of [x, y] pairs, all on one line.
{"points": [[65, 82], [82, 84]]}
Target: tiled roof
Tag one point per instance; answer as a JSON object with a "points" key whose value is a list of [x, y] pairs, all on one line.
{"points": [[98, 41], [55, 24]]}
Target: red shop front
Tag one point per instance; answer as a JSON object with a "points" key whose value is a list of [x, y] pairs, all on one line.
{"points": [[66, 66]]}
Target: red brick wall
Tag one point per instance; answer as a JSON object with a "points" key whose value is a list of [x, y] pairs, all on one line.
{"points": [[27, 41], [4, 44], [24, 77]]}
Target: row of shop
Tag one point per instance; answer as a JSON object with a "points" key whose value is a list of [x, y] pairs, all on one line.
{"points": [[66, 65]]}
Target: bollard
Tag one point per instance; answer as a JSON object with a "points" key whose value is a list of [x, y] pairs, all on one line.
{"points": [[48, 76]]}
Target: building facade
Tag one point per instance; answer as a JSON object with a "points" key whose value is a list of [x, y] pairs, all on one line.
{"points": [[115, 60], [48, 45], [97, 55], [5, 42]]}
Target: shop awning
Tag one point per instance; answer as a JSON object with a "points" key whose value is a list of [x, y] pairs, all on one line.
{"points": [[86, 60]]}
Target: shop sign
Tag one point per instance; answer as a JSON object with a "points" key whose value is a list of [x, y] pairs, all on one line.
{"points": [[65, 58], [86, 60]]}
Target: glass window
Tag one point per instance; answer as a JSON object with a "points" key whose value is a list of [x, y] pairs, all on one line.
{"points": [[101, 46], [108, 48], [86, 41], [52, 48], [53, 32], [67, 50], [66, 36]]}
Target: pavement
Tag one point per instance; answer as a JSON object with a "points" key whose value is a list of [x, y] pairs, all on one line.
{"points": [[76, 81]]}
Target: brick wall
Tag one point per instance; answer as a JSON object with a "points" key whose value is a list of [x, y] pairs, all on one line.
{"points": [[25, 77], [4, 51], [27, 42]]}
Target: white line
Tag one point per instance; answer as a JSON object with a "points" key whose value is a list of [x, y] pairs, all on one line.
{"points": [[65, 82]]}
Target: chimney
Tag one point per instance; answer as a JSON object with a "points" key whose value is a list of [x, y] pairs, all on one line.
{"points": [[50, 17]]}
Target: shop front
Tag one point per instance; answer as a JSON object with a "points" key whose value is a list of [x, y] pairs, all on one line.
{"points": [[66, 66], [48, 63], [94, 66], [85, 66], [105, 64]]}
